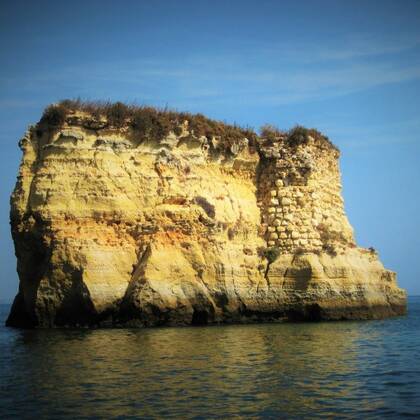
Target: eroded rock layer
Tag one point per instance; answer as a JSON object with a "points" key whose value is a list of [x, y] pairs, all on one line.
{"points": [[113, 231]]}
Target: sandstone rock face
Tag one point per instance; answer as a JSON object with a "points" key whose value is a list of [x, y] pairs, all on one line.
{"points": [[110, 231]]}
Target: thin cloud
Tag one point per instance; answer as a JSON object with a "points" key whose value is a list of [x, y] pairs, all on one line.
{"points": [[356, 46], [16, 103], [352, 137], [353, 65]]}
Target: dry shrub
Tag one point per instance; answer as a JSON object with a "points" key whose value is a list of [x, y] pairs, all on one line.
{"points": [[54, 115], [154, 123]]}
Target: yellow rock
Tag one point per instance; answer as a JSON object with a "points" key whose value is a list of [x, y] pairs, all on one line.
{"points": [[111, 231]]}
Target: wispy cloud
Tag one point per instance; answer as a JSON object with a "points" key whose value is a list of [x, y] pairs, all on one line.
{"points": [[278, 75], [351, 47], [17, 103], [359, 137]]}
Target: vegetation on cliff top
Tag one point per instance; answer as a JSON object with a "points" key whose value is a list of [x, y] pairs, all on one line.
{"points": [[153, 123], [295, 136]]}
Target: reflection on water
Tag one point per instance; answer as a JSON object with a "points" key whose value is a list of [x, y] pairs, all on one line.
{"points": [[295, 370]]}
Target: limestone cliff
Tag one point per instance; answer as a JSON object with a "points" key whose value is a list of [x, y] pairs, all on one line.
{"points": [[127, 219]]}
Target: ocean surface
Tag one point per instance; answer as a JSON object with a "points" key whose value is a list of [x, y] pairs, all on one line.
{"points": [[367, 369]]}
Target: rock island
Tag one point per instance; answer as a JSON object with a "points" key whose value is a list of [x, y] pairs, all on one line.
{"points": [[133, 216]]}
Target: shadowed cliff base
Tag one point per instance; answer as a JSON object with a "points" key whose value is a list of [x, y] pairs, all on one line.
{"points": [[132, 216], [155, 317]]}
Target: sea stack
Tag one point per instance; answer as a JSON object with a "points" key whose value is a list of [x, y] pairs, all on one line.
{"points": [[125, 216]]}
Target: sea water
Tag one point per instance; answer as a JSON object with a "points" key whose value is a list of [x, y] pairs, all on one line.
{"points": [[367, 369]]}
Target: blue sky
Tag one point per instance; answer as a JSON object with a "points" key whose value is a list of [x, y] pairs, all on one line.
{"points": [[350, 69]]}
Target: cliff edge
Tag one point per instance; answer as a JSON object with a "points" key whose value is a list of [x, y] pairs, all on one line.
{"points": [[139, 217]]}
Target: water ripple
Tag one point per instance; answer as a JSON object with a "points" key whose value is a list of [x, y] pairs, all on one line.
{"points": [[344, 370]]}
